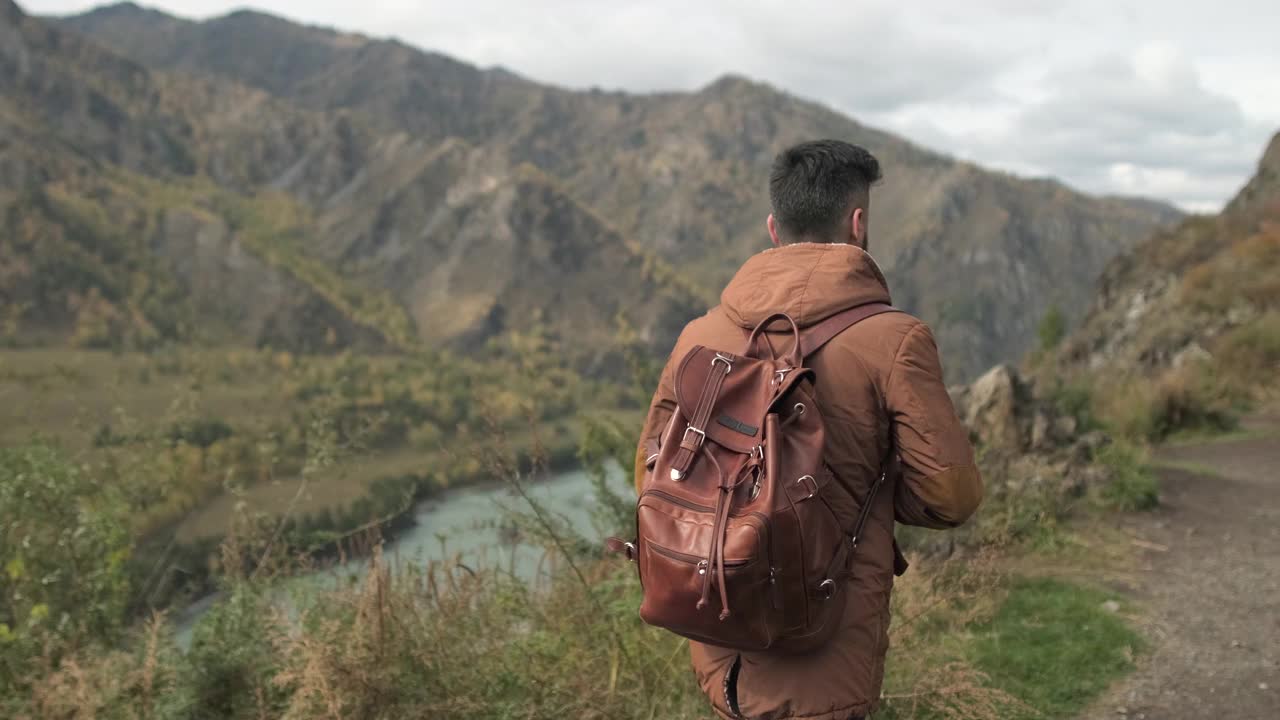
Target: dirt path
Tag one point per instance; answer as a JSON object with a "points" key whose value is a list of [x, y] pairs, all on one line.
{"points": [[1209, 577]]}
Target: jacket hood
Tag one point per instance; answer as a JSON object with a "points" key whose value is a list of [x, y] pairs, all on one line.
{"points": [[808, 281]]}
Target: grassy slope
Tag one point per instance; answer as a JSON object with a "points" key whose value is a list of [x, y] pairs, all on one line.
{"points": [[1053, 645]]}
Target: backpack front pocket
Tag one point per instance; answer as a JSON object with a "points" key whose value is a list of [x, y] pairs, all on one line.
{"points": [[676, 580]]}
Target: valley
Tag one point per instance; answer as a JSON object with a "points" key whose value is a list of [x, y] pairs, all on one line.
{"points": [[277, 298]]}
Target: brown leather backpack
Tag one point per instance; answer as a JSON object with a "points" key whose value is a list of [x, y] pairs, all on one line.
{"points": [[744, 538]]}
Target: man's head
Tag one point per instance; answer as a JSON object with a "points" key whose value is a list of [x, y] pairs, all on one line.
{"points": [[821, 192]]}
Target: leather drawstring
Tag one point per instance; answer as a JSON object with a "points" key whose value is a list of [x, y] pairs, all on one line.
{"points": [[715, 564], [709, 563], [722, 521]]}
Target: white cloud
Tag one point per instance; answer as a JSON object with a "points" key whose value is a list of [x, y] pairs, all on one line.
{"points": [[1131, 179], [1167, 99], [1143, 124]]}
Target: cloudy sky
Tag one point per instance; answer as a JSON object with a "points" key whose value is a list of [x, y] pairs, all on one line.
{"points": [[1171, 99]]}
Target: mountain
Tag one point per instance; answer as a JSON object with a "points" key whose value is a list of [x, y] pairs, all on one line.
{"points": [[419, 179], [1207, 289], [142, 206], [111, 235]]}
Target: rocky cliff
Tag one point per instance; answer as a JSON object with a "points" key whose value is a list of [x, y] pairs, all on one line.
{"points": [[1190, 291]]}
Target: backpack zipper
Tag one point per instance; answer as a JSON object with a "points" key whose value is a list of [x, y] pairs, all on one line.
{"points": [[690, 505], [694, 559]]}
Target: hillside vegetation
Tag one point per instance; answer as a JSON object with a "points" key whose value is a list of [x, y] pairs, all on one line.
{"points": [[1185, 333]]}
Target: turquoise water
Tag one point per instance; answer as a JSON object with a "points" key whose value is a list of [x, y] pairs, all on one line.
{"points": [[473, 526], [469, 526]]}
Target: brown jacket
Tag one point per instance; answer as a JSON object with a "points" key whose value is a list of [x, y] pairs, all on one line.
{"points": [[879, 378]]}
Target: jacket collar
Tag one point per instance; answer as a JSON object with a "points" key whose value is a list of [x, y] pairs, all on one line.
{"points": [[808, 281]]}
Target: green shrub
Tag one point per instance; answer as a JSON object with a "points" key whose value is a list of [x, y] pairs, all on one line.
{"points": [[228, 671], [1052, 328], [1075, 400], [64, 544], [106, 437], [608, 444], [1132, 485], [1190, 398], [200, 433], [1250, 354]]}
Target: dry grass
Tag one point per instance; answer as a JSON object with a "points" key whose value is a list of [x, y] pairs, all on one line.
{"points": [[451, 641], [1196, 396], [929, 675], [116, 684]]}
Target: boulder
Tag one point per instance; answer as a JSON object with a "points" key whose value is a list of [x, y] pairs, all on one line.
{"points": [[990, 408]]}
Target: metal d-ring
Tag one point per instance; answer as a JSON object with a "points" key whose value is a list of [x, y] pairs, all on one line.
{"points": [[827, 588], [721, 357], [810, 478], [756, 452]]}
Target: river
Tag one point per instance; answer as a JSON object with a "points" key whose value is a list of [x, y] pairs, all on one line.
{"points": [[467, 525]]}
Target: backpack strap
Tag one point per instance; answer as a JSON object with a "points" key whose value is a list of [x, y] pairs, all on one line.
{"points": [[815, 336], [865, 512], [855, 536]]}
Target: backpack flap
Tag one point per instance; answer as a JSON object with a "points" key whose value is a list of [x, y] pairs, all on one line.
{"points": [[736, 421]]}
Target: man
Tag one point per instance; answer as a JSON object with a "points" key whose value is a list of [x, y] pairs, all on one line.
{"points": [[879, 386]]}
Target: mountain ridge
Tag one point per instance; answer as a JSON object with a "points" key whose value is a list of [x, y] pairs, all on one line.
{"points": [[679, 175], [186, 230]]}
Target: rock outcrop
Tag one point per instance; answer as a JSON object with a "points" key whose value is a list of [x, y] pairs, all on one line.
{"points": [[1024, 441]]}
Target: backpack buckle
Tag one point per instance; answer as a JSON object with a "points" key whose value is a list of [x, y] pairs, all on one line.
{"points": [[721, 357], [702, 436]]}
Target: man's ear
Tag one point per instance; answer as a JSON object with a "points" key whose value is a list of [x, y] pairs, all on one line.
{"points": [[773, 230], [858, 228]]}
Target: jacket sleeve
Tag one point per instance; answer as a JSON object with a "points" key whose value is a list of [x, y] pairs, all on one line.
{"points": [[660, 410], [940, 486]]}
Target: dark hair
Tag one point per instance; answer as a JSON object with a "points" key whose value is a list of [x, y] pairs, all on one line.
{"points": [[813, 185]]}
